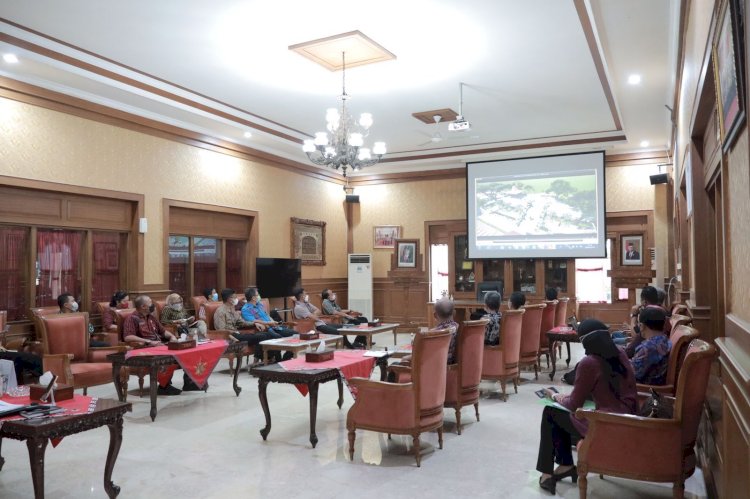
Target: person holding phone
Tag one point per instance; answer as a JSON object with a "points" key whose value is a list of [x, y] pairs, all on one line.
{"points": [[175, 314], [604, 374]]}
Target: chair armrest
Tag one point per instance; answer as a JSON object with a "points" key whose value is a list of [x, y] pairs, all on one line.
{"points": [[372, 385], [99, 354], [381, 405], [59, 364], [663, 389], [596, 417], [399, 369], [220, 334]]}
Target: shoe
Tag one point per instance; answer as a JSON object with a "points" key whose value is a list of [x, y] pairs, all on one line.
{"points": [[192, 387], [287, 356], [572, 473], [548, 484], [168, 390], [357, 345]]}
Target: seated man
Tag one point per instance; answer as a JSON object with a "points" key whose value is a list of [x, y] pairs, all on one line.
{"points": [[209, 295], [174, 314], [142, 327], [649, 299], [253, 311], [304, 309], [652, 354], [227, 317], [330, 307], [68, 305], [23, 362]]}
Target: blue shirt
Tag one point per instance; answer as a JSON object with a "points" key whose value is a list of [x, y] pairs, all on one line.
{"points": [[651, 359], [252, 312]]}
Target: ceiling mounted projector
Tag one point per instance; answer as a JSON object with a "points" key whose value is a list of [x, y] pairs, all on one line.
{"points": [[460, 125]]}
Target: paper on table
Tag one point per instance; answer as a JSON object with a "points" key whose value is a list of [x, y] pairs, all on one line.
{"points": [[5, 406], [375, 353], [322, 346], [589, 404]]}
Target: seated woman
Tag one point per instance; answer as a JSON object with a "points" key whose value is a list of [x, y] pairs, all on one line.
{"points": [[209, 295], [174, 314], [120, 299], [606, 375], [492, 307]]}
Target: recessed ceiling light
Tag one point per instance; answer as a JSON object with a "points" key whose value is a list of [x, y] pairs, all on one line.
{"points": [[634, 79], [10, 58], [644, 143], [248, 135]]}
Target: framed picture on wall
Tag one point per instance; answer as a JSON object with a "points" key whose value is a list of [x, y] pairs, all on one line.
{"points": [[632, 250], [384, 236], [406, 253], [729, 73], [309, 241]]}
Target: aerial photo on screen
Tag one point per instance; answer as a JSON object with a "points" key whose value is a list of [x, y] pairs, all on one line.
{"points": [[562, 205]]}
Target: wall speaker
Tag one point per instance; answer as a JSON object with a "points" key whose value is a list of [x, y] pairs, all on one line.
{"points": [[352, 198], [661, 178]]}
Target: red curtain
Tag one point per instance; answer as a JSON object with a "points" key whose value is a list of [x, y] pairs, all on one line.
{"points": [[58, 265], [106, 269], [13, 284], [206, 263]]}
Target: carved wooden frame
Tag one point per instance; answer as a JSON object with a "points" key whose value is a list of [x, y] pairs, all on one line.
{"points": [[319, 230]]}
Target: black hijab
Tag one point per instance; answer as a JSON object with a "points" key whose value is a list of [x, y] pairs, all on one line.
{"points": [[599, 343]]}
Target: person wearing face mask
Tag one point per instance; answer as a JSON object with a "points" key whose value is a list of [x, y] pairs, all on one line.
{"points": [[142, 327], [120, 300], [68, 305], [210, 294], [175, 314], [228, 318], [253, 311], [304, 309], [330, 307]]}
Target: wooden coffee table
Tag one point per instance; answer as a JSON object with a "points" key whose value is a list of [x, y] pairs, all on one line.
{"points": [[153, 363], [294, 345], [310, 377], [368, 332], [37, 433]]}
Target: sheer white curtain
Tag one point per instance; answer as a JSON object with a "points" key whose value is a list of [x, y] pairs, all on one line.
{"points": [[592, 283]]}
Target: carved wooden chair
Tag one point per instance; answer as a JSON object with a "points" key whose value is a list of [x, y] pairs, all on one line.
{"points": [[405, 408], [464, 376], [4, 327], [500, 362], [548, 322], [680, 320], [681, 338], [65, 339], [532, 322], [650, 449], [679, 309], [110, 337]]}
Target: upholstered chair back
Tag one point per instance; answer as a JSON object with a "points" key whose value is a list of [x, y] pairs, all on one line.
{"points": [[691, 389], [548, 322], [430, 355], [561, 311], [66, 334], [532, 322], [120, 315]]}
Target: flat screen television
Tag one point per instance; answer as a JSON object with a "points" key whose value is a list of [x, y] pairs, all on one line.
{"points": [[277, 277], [487, 286], [544, 207]]}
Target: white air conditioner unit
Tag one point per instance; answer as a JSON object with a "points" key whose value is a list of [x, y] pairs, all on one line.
{"points": [[654, 255], [360, 284]]}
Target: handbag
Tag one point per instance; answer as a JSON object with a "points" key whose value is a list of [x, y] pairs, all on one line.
{"points": [[657, 406]]}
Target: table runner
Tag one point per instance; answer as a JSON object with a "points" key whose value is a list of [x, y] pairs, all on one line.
{"points": [[350, 364], [198, 363], [79, 404]]}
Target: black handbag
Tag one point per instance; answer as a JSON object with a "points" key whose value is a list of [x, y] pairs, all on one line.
{"points": [[657, 406]]}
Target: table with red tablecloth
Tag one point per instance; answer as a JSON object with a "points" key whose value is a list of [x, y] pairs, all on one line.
{"points": [[198, 362], [307, 376], [564, 334]]}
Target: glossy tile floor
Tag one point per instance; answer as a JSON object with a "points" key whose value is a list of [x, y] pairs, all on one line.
{"points": [[207, 445]]}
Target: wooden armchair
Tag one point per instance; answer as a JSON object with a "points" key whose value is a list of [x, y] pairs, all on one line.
{"points": [[548, 322], [532, 322], [680, 320], [210, 309], [650, 449], [500, 362], [463, 377], [681, 338], [4, 327], [408, 408], [679, 309], [561, 312], [65, 339]]}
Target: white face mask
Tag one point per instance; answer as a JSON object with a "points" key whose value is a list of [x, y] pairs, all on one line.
{"points": [[307, 297], [235, 301], [74, 306], [215, 297], [176, 306], [333, 297]]}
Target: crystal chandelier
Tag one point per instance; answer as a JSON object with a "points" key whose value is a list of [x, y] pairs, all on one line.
{"points": [[344, 149]]}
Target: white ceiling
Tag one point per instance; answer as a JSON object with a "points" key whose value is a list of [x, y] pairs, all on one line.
{"points": [[529, 72]]}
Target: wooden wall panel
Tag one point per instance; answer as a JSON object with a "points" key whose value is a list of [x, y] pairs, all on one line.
{"points": [[609, 313], [196, 222], [100, 212]]}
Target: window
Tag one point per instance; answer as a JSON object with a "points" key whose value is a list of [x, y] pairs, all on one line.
{"points": [[592, 283], [58, 265], [106, 273], [194, 264]]}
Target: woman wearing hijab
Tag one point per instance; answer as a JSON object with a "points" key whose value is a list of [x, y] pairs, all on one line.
{"points": [[604, 374]]}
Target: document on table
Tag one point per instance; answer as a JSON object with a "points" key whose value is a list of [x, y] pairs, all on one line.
{"points": [[375, 353], [7, 409]]}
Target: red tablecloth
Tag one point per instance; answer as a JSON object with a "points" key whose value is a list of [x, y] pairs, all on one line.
{"points": [[350, 363], [562, 330], [79, 404], [198, 363]]}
